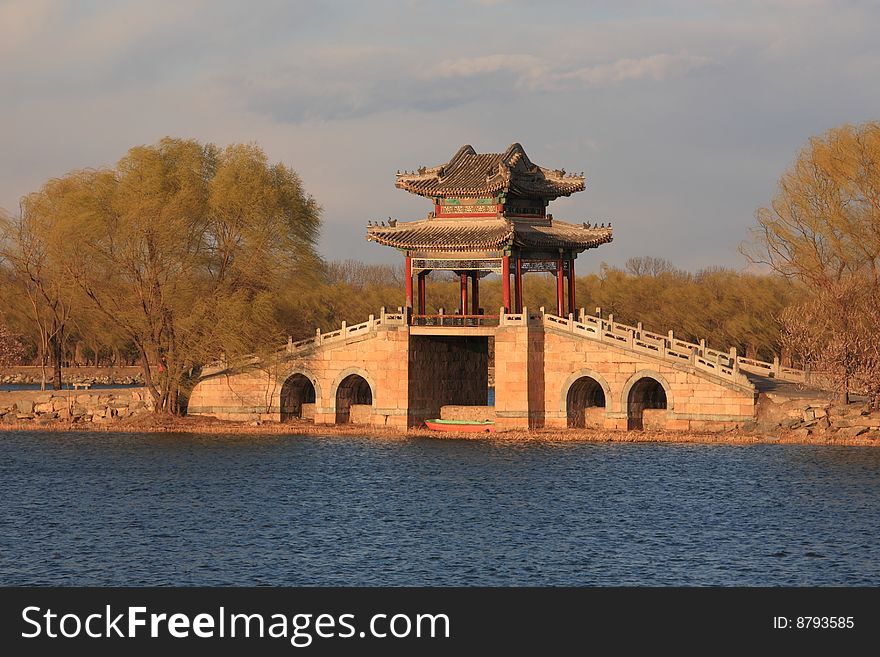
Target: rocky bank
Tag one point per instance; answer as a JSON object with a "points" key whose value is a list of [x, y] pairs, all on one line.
{"points": [[98, 406]]}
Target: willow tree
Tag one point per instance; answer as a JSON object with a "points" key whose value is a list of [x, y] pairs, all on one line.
{"points": [[823, 229], [185, 248]]}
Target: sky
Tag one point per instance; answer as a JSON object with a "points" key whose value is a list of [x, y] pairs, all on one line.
{"points": [[682, 114]]}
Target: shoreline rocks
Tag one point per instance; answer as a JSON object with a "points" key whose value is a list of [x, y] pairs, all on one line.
{"points": [[819, 418], [26, 375], [100, 406]]}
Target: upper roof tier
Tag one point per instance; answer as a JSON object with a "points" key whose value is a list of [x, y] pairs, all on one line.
{"points": [[473, 175]]}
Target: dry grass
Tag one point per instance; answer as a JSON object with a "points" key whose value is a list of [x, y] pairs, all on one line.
{"points": [[153, 423]]}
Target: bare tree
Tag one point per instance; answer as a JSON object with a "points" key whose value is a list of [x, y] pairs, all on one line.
{"points": [[26, 249], [823, 228]]}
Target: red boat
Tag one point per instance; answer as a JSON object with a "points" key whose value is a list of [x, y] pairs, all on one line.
{"points": [[458, 426]]}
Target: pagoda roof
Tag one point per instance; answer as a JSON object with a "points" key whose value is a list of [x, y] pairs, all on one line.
{"points": [[488, 234], [473, 175]]}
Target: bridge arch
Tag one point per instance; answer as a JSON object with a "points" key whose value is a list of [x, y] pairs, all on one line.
{"points": [[583, 389], [646, 389], [352, 387], [298, 388]]}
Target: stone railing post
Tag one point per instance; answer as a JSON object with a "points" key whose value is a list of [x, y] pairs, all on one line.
{"points": [[611, 322], [776, 366], [318, 339], [342, 329], [734, 360], [582, 314], [671, 336], [382, 314], [571, 322], [371, 323], [289, 343], [639, 329], [703, 347], [502, 317]]}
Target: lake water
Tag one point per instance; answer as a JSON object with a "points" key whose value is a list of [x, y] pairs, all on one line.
{"points": [[116, 509]]}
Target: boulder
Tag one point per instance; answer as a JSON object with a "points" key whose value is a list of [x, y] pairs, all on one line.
{"points": [[851, 432]]}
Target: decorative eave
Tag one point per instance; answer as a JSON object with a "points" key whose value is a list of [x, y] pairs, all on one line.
{"points": [[558, 234], [480, 175], [488, 234], [440, 235]]}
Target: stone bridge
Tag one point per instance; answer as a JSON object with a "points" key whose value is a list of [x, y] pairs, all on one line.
{"points": [[550, 371]]}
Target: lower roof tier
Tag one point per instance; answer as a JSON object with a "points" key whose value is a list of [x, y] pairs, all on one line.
{"points": [[488, 234]]}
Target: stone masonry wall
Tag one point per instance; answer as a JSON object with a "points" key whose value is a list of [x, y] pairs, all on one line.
{"points": [[694, 401], [512, 377], [380, 357], [98, 406]]}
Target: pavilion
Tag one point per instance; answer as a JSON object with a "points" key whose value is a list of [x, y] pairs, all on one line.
{"points": [[490, 216]]}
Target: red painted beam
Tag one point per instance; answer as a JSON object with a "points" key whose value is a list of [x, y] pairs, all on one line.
{"points": [[464, 294], [408, 279], [505, 282], [560, 291], [475, 301], [571, 301], [517, 281]]}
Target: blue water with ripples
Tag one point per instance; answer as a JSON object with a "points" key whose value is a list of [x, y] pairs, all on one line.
{"points": [[157, 509]]}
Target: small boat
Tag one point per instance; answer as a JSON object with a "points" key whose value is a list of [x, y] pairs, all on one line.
{"points": [[469, 426]]}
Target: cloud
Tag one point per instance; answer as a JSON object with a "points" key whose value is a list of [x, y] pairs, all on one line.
{"points": [[657, 67], [464, 67], [355, 82], [534, 73]]}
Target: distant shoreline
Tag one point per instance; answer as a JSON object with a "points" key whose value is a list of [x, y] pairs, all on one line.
{"points": [[149, 423]]}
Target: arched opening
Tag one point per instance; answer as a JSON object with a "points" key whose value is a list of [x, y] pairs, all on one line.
{"points": [[354, 400], [647, 393], [585, 403], [297, 398]]}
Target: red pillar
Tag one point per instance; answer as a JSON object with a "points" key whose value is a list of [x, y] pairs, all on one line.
{"points": [[517, 285], [505, 282], [408, 279], [464, 308], [571, 301], [422, 292], [560, 292], [475, 301]]}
